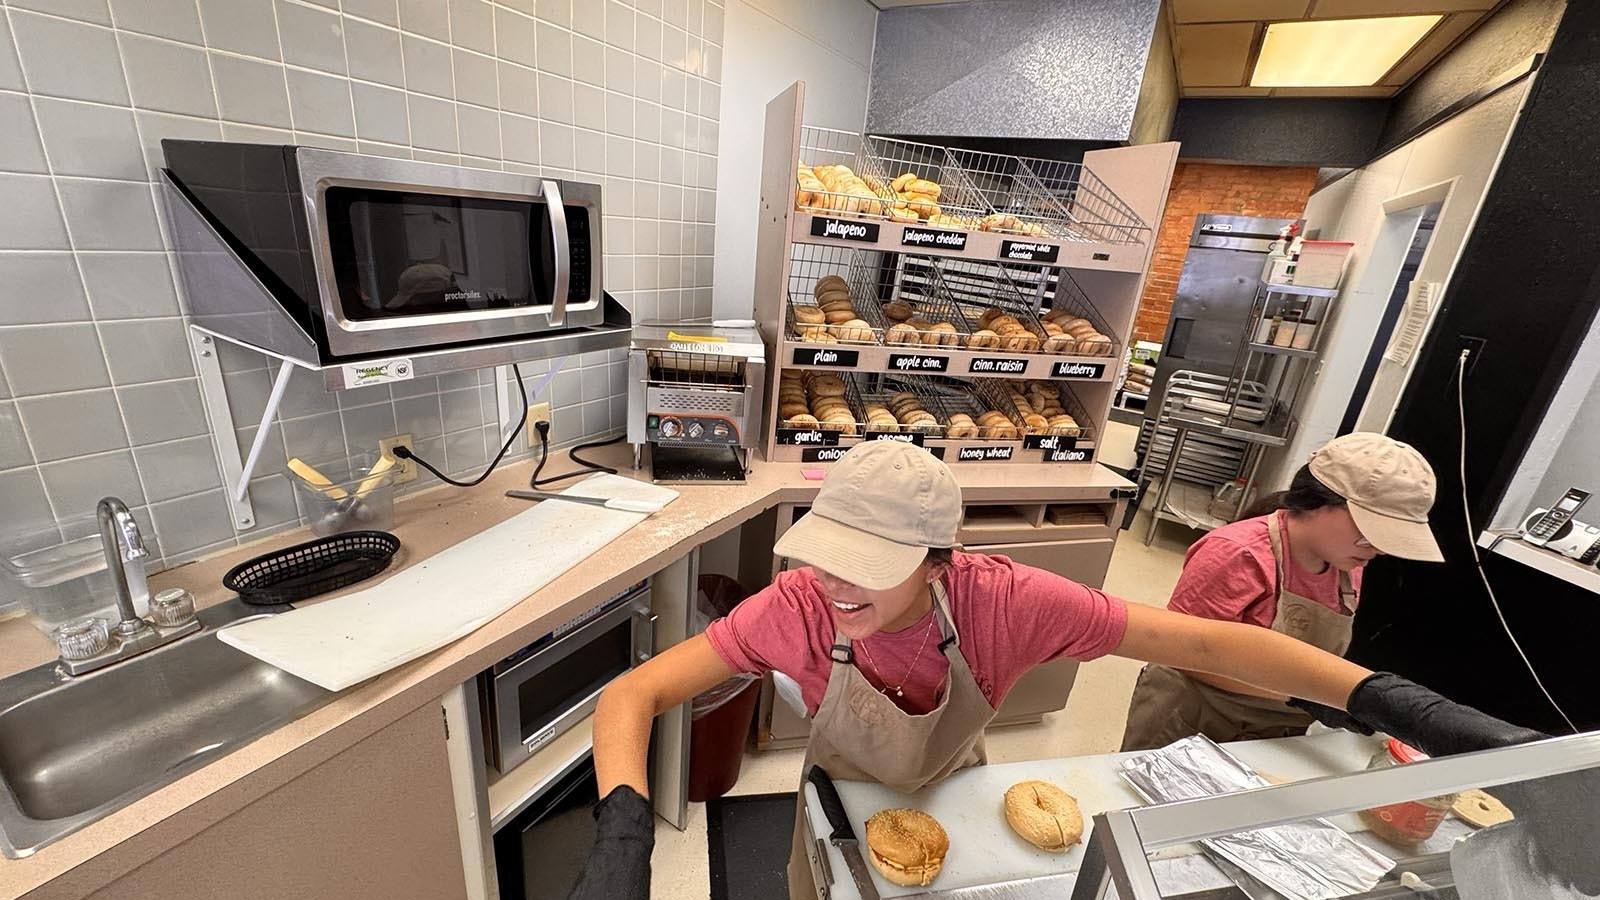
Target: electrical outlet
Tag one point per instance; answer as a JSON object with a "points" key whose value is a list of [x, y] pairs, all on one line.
{"points": [[1474, 346], [539, 412], [407, 468]]}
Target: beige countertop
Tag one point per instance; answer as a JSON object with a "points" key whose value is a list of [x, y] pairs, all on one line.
{"points": [[429, 522]]}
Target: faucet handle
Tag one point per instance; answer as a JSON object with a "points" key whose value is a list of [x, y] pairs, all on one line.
{"points": [[82, 638], [172, 607]]}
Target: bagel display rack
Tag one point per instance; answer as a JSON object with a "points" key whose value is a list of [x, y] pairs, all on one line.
{"points": [[976, 304]]}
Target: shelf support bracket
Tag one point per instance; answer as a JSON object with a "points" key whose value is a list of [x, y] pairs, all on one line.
{"points": [[220, 417]]}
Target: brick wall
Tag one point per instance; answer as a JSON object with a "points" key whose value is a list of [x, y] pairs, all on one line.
{"points": [[1273, 191]]}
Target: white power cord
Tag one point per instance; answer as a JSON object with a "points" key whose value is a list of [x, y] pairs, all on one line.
{"points": [[1472, 540]]}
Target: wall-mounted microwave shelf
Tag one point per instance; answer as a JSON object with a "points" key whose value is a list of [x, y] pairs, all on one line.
{"points": [[1038, 240]]}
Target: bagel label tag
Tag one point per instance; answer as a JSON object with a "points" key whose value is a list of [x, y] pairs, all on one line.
{"points": [[916, 362], [822, 454], [979, 454], [1068, 369], [933, 237], [1048, 442], [1028, 251], [844, 229], [813, 437], [842, 359], [994, 365], [1068, 455], [914, 437]]}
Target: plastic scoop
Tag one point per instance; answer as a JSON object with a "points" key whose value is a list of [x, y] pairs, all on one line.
{"points": [[635, 506]]}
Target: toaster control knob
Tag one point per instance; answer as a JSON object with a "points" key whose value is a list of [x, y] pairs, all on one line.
{"points": [[696, 429], [671, 428], [719, 430]]}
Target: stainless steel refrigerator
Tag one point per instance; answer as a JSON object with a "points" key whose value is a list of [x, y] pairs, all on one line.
{"points": [[1216, 289]]}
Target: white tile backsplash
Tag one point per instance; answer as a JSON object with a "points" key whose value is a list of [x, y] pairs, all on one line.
{"points": [[98, 392]]}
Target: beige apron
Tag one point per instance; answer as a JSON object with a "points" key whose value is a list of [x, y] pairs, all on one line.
{"points": [[1168, 705], [859, 734]]}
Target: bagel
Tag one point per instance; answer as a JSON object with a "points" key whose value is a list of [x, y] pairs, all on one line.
{"points": [[907, 846], [809, 315], [1044, 815]]}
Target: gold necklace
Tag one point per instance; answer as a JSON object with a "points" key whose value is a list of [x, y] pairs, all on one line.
{"points": [[898, 692]]}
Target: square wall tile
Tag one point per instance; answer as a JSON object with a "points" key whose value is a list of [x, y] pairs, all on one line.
{"points": [[589, 18], [555, 50], [365, 426], [519, 89], [619, 24], [472, 25], [177, 20], [476, 78], [557, 11], [177, 468], [128, 285], [10, 69], [28, 521], [190, 523], [433, 123], [520, 138], [89, 139], [272, 458], [40, 288], [248, 28], [480, 131], [21, 150], [164, 411], [110, 215], [250, 91], [461, 410], [85, 10], [555, 98], [320, 103], [426, 17], [70, 59], [75, 486], [418, 416], [313, 38], [428, 66], [464, 452], [154, 126], [385, 11], [381, 114], [49, 359], [315, 439], [514, 36], [14, 449], [373, 52], [168, 77], [65, 425], [141, 350]]}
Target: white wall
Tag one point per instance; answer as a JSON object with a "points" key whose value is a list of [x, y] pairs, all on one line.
{"points": [[769, 45], [1461, 154]]}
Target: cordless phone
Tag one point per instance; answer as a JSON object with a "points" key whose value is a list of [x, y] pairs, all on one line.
{"points": [[1549, 525]]}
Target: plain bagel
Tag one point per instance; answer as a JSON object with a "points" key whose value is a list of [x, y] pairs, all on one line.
{"points": [[1044, 815], [908, 845]]}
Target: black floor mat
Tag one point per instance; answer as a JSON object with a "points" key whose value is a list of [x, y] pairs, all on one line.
{"points": [[748, 839]]}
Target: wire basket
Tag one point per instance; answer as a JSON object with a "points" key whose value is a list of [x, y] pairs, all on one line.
{"points": [[1066, 300], [864, 278], [315, 567], [919, 312], [831, 147], [1093, 211], [958, 203], [882, 390], [974, 288], [998, 395], [1016, 202], [974, 402]]}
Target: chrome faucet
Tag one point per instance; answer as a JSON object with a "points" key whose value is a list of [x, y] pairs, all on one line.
{"points": [[132, 635], [124, 547]]}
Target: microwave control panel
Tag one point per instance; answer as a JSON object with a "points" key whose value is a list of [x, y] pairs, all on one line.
{"points": [[578, 241], [677, 428]]}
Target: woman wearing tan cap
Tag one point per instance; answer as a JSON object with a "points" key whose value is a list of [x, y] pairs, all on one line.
{"points": [[1295, 570], [904, 647]]}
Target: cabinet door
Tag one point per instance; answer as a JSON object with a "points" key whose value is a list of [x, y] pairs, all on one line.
{"points": [[1085, 562]]}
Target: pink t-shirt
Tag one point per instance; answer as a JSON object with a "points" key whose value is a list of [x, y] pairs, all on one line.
{"points": [[1229, 575], [1010, 617]]}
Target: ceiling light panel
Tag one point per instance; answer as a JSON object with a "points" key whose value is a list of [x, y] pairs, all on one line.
{"points": [[1336, 52]]}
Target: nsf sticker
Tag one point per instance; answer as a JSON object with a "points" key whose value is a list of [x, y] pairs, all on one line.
{"points": [[387, 371]]}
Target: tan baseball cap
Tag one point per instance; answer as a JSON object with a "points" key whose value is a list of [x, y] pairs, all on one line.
{"points": [[880, 508], [1389, 487]]}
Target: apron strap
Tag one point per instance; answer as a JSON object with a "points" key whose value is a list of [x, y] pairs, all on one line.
{"points": [[842, 653], [941, 614], [1347, 589]]}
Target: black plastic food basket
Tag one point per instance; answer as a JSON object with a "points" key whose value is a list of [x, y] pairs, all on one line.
{"points": [[315, 567]]}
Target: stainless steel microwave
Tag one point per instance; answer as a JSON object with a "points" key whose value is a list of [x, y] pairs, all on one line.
{"points": [[538, 693], [373, 256]]}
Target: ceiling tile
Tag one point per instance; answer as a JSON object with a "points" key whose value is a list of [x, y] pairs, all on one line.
{"points": [[1430, 48], [1354, 9], [1214, 55], [1186, 12]]}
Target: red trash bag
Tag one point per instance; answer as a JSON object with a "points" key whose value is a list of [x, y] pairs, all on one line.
{"points": [[721, 717]]}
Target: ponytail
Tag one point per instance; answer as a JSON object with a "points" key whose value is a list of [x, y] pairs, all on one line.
{"points": [[1305, 494]]}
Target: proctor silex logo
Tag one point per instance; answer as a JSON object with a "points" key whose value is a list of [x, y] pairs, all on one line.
{"points": [[844, 229], [385, 372], [463, 295], [1067, 369]]}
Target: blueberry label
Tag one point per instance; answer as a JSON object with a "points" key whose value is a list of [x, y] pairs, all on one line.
{"points": [[979, 454], [822, 454], [916, 362], [811, 437], [994, 365], [843, 359], [844, 229], [933, 237], [1070, 369], [1026, 251]]}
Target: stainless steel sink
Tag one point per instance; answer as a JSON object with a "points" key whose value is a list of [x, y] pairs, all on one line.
{"points": [[73, 750]]}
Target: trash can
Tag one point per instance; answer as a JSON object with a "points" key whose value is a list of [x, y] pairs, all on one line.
{"points": [[721, 717]]}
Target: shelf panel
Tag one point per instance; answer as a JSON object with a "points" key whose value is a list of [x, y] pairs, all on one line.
{"points": [[951, 451], [512, 793], [1275, 350], [1547, 561], [958, 362], [979, 245], [1272, 433], [1300, 290], [1189, 504]]}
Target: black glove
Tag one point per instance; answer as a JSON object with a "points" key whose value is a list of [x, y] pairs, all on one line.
{"points": [[1401, 708], [619, 865], [1327, 715]]}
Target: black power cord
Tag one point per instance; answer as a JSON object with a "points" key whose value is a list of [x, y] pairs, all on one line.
{"points": [[403, 452], [588, 467]]}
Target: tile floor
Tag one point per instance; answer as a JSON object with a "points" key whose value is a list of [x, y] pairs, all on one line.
{"points": [[1092, 721]]}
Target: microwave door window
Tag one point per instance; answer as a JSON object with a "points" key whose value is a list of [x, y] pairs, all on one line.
{"points": [[569, 681]]}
